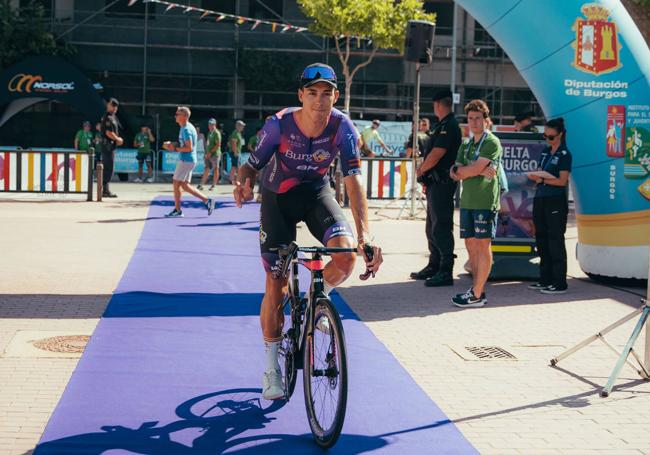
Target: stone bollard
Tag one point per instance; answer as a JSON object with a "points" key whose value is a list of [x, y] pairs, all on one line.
{"points": [[100, 181]]}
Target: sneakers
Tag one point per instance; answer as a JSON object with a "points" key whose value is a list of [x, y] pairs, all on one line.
{"points": [[210, 206], [440, 279], [423, 274], [148, 180], [537, 286], [323, 325], [272, 388], [211, 188], [199, 187], [552, 289], [174, 214], [469, 300], [109, 194], [137, 180]]}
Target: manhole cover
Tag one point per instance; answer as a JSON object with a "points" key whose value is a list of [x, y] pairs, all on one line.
{"points": [[490, 353], [68, 344]]}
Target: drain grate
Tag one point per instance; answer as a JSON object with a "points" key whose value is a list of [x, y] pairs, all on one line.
{"points": [[490, 353], [67, 344]]}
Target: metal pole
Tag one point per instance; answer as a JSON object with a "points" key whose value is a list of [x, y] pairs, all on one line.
{"points": [[416, 116], [144, 58], [453, 51], [235, 101], [646, 358]]}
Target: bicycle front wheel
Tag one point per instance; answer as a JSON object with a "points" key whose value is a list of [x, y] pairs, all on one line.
{"points": [[325, 374]]}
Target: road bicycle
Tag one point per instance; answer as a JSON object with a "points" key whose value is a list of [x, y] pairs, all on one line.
{"points": [[315, 343]]}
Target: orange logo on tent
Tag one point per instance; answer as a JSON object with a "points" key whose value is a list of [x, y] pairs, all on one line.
{"points": [[23, 82]]}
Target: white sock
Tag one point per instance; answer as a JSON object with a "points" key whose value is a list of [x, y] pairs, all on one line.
{"points": [[271, 350]]}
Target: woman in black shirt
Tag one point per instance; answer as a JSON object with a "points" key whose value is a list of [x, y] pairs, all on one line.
{"points": [[550, 209]]}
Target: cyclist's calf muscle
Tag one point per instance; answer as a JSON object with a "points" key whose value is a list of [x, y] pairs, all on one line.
{"points": [[271, 315]]}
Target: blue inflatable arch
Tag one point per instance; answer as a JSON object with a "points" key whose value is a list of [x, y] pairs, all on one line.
{"points": [[588, 62]]}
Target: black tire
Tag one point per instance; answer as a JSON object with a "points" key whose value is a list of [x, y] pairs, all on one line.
{"points": [[289, 373], [335, 340]]}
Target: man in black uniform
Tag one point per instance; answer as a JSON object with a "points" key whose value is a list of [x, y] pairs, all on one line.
{"points": [[440, 189], [110, 141]]}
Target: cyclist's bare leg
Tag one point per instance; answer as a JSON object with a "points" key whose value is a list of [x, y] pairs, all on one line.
{"points": [[271, 316], [342, 264]]}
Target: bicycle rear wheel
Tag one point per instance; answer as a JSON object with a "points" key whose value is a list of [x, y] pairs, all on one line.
{"points": [[325, 374]]}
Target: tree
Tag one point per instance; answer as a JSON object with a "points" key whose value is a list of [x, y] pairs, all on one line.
{"points": [[383, 22], [24, 32]]}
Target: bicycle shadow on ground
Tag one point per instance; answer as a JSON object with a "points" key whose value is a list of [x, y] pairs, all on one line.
{"points": [[209, 424]]}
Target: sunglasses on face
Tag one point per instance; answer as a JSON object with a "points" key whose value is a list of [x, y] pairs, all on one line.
{"points": [[550, 137], [318, 72]]}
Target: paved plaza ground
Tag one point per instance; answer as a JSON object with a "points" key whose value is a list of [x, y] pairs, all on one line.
{"points": [[61, 259]]}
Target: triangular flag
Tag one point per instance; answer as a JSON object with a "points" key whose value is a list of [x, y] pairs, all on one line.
{"points": [[255, 25], [205, 13], [274, 25], [188, 9], [285, 28], [131, 2], [241, 20], [221, 17], [300, 29], [170, 6]]}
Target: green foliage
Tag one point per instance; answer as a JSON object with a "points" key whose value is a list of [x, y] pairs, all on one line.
{"points": [[383, 21], [25, 33]]}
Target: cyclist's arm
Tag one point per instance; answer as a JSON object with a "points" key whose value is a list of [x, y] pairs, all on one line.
{"points": [[359, 206]]}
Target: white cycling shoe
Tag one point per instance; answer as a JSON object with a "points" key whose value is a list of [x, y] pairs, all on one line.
{"points": [[272, 388]]}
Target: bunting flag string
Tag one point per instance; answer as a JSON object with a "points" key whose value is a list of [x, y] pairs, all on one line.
{"points": [[239, 20]]}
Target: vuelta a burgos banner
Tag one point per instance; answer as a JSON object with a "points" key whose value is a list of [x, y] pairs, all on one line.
{"points": [[588, 63]]}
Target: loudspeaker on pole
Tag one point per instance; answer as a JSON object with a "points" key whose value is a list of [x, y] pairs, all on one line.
{"points": [[419, 41]]}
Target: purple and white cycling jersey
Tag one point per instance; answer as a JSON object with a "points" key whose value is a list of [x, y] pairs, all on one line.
{"points": [[295, 159]]}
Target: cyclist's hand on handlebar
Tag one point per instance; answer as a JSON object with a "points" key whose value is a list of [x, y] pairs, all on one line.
{"points": [[243, 193], [373, 258]]}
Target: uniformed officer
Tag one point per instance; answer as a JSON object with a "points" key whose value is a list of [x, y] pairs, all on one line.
{"points": [[440, 189], [110, 141], [551, 208], [524, 123]]}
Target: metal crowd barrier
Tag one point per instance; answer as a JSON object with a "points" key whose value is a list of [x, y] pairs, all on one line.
{"points": [[42, 170]]}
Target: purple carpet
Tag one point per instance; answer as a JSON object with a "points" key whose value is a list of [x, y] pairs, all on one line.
{"points": [[174, 366]]}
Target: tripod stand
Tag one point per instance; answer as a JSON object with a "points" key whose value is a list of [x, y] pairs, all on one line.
{"points": [[627, 350], [412, 194]]}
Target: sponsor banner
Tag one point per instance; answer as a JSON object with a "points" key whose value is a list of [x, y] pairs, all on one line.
{"points": [[394, 135], [615, 143], [637, 148], [515, 222], [169, 160]]}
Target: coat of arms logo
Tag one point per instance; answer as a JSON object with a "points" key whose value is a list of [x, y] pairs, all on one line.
{"points": [[596, 45]]}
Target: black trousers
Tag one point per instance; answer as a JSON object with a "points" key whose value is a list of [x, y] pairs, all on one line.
{"points": [[440, 225], [108, 156], [550, 218]]}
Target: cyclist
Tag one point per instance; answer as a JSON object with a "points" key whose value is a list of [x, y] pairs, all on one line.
{"points": [[296, 147]]}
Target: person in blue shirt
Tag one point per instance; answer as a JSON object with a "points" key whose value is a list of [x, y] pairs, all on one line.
{"points": [[551, 208], [186, 147]]}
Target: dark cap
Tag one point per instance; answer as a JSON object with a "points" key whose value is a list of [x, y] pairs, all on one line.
{"points": [[523, 116], [318, 72], [442, 94], [86, 123], [114, 102]]}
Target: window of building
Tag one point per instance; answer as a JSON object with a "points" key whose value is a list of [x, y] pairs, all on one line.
{"points": [[444, 16], [45, 4], [265, 9], [223, 6]]}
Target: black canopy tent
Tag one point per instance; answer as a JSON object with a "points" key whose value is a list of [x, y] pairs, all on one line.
{"points": [[45, 78]]}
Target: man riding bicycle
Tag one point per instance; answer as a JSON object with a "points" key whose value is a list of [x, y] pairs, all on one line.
{"points": [[296, 147]]}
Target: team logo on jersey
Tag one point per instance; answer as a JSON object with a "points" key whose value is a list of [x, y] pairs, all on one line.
{"points": [[597, 48], [320, 155]]}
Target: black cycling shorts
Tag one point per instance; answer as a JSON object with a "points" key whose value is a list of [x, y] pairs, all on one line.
{"points": [[280, 213]]}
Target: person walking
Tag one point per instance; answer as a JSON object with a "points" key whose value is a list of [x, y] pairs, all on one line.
{"points": [[476, 166], [551, 208], [440, 190], [212, 156], [370, 133], [83, 140], [186, 147], [142, 142], [110, 141], [235, 144]]}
